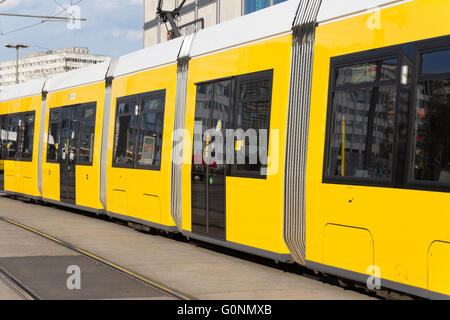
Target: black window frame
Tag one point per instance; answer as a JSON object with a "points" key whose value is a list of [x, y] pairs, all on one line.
{"points": [[81, 108], [23, 137], [240, 80], [3, 127], [162, 111], [135, 101], [138, 100], [421, 48], [410, 54], [50, 122], [231, 170], [18, 157], [372, 56]]}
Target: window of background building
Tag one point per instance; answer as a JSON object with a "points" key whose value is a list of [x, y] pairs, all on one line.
{"points": [[255, 5]]}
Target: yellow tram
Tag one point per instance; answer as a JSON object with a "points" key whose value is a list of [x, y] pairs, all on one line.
{"points": [[20, 114], [318, 135]]}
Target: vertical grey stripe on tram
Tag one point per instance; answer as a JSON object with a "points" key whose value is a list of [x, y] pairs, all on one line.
{"points": [[41, 136], [176, 188], [105, 132], [303, 34]]}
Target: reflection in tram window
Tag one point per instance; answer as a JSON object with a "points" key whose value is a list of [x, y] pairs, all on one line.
{"points": [[202, 118], [241, 113], [27, 129], [12, 142], [138, 135], [3, 137], [362, 129], [18, 138], [125, 136], [432, 130], [87, 135], [151, 132], [253, 115], [53, 136]]}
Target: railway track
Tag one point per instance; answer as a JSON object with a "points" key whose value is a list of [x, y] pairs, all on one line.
{"points": [[19, 285]]}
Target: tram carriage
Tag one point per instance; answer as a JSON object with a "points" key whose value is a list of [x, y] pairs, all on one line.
{"points": [[21, 109], [351, 103], [72, 138]]}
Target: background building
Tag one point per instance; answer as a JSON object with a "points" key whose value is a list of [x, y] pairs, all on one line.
{"points": [[196, 14], [42, 64]]}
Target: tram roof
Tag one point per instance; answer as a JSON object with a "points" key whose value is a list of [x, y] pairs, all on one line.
{"points": [[159, 55], [331, 10], [22, 90], [78, 77]]}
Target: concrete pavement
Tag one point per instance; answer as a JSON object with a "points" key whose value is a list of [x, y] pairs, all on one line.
{"points": [[192, 270]]}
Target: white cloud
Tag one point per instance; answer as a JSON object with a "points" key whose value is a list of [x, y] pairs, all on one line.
{"points": [[107, 5], [130, 34], [113, 27], [15, 4]]}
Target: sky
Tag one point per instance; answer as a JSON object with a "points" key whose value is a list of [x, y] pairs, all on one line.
{"points": [[113, 27]]}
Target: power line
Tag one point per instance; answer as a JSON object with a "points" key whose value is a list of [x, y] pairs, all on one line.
{"points": [[38, 23], [59, 5], [43, 17]]}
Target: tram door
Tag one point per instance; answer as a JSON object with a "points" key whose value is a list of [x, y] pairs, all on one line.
{"points": [[3, 142], [209, 170], [70, 127]]}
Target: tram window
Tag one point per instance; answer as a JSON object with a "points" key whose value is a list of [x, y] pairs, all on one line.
{"points": [[202, 123], [53, 136], [437, 62], [14, 122], [151, 122], [125, 134], [87, 135], [252, 116], [362, 127], [4, 137], [432, 132], [27, 133]]}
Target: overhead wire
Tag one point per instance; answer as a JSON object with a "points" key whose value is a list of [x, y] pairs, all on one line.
{"points": [[35, 24]]}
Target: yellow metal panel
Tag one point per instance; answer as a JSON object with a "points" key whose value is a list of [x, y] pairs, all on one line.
{"points": [[90, 177], [438, 267], [50, 181], [343, 246], [129, 189], [119, 202], [403, 223], [149, 208], [254, 207]]}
